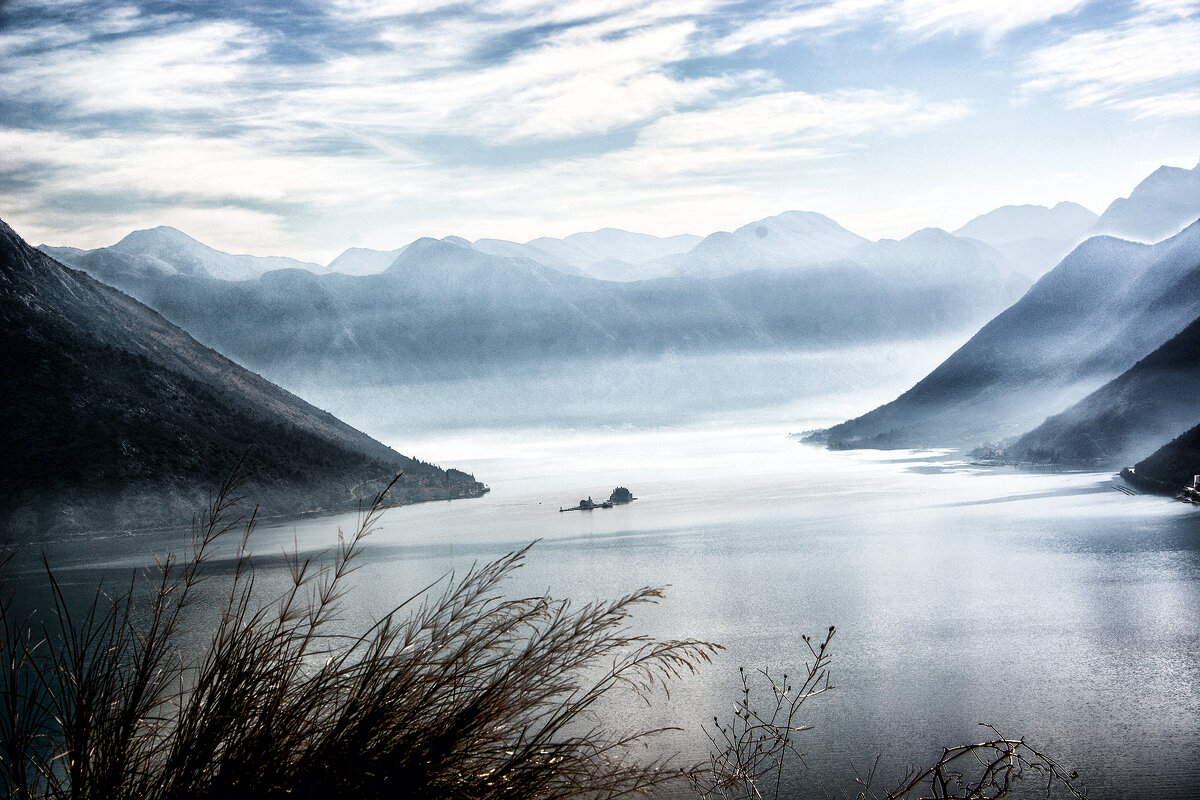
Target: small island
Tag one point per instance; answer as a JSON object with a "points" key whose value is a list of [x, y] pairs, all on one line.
{"points": [[619, 496]]}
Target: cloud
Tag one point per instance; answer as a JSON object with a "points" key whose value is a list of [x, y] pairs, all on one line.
{"points": [[404, 78], [350, 121], [786, 22], [190, 67], [992, 18], [582, 81], [1174, 104], [783, 119], [1138, 66], [734, 154]]}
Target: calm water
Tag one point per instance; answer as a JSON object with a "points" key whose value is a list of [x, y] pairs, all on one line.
{"points": [[1048, 605]]}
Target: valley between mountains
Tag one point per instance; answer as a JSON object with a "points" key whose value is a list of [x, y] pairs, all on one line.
{"points": [[137, 374]]}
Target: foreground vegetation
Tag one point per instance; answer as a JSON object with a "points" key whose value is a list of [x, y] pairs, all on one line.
{"points": [[459, 692]]}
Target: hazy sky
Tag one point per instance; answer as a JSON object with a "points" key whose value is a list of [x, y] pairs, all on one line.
{"points": [[302, 128]]}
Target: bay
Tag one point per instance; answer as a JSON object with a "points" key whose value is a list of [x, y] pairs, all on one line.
{"points": [[1046, 604]]}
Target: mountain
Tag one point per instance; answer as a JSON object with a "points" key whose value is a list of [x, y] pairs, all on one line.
{"points": [[444, 308], [1150, 403], [1033, 237], [1107, 305], [362, 261], [1160, 206], [933, 256], [607, 254], [1063, 222], [787, 241], [166, 251], [526, 252], [612, 254], [115, 418], [1172, 467]]}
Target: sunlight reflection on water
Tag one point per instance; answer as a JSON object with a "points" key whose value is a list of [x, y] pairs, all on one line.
{"points": [[1044, 603]]}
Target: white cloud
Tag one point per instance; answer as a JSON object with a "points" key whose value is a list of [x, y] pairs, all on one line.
{"points": [[42, 38], [787, 22], [1126, 67], [1167, 9], [176, 167], [581, 81], [192, 67], [776, 119], [992, 18], [1174, 104], [375, 9], [192, 124]]}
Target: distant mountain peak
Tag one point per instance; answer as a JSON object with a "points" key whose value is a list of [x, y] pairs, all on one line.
{"points": [[363, 261], [795, 219], [1065, 222], [170, 251], [1161, 205], [930, 235], [148, 239]]}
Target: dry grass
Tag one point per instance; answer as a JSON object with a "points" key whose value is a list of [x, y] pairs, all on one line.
{"points": [[459, 692]]}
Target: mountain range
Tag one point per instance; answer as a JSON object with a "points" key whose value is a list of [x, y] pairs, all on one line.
{"points": [[444, 307], [115, 418], [1095, 362], [1035, 237], [164, 250], [450, 307], [1030, 238], [1103, 308]]}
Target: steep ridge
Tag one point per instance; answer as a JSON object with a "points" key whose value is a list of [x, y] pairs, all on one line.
{"points": [[115, 418], [1167, 201], [1152, 402], [1108, 304]]}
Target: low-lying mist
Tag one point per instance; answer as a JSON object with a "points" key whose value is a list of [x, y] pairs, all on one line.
{"points": [[802, 389]]}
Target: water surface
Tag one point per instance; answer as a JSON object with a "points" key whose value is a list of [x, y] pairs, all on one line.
{"points": [[1046, 604]]}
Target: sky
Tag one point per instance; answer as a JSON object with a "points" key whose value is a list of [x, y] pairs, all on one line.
{"points": [[304, 128]]}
